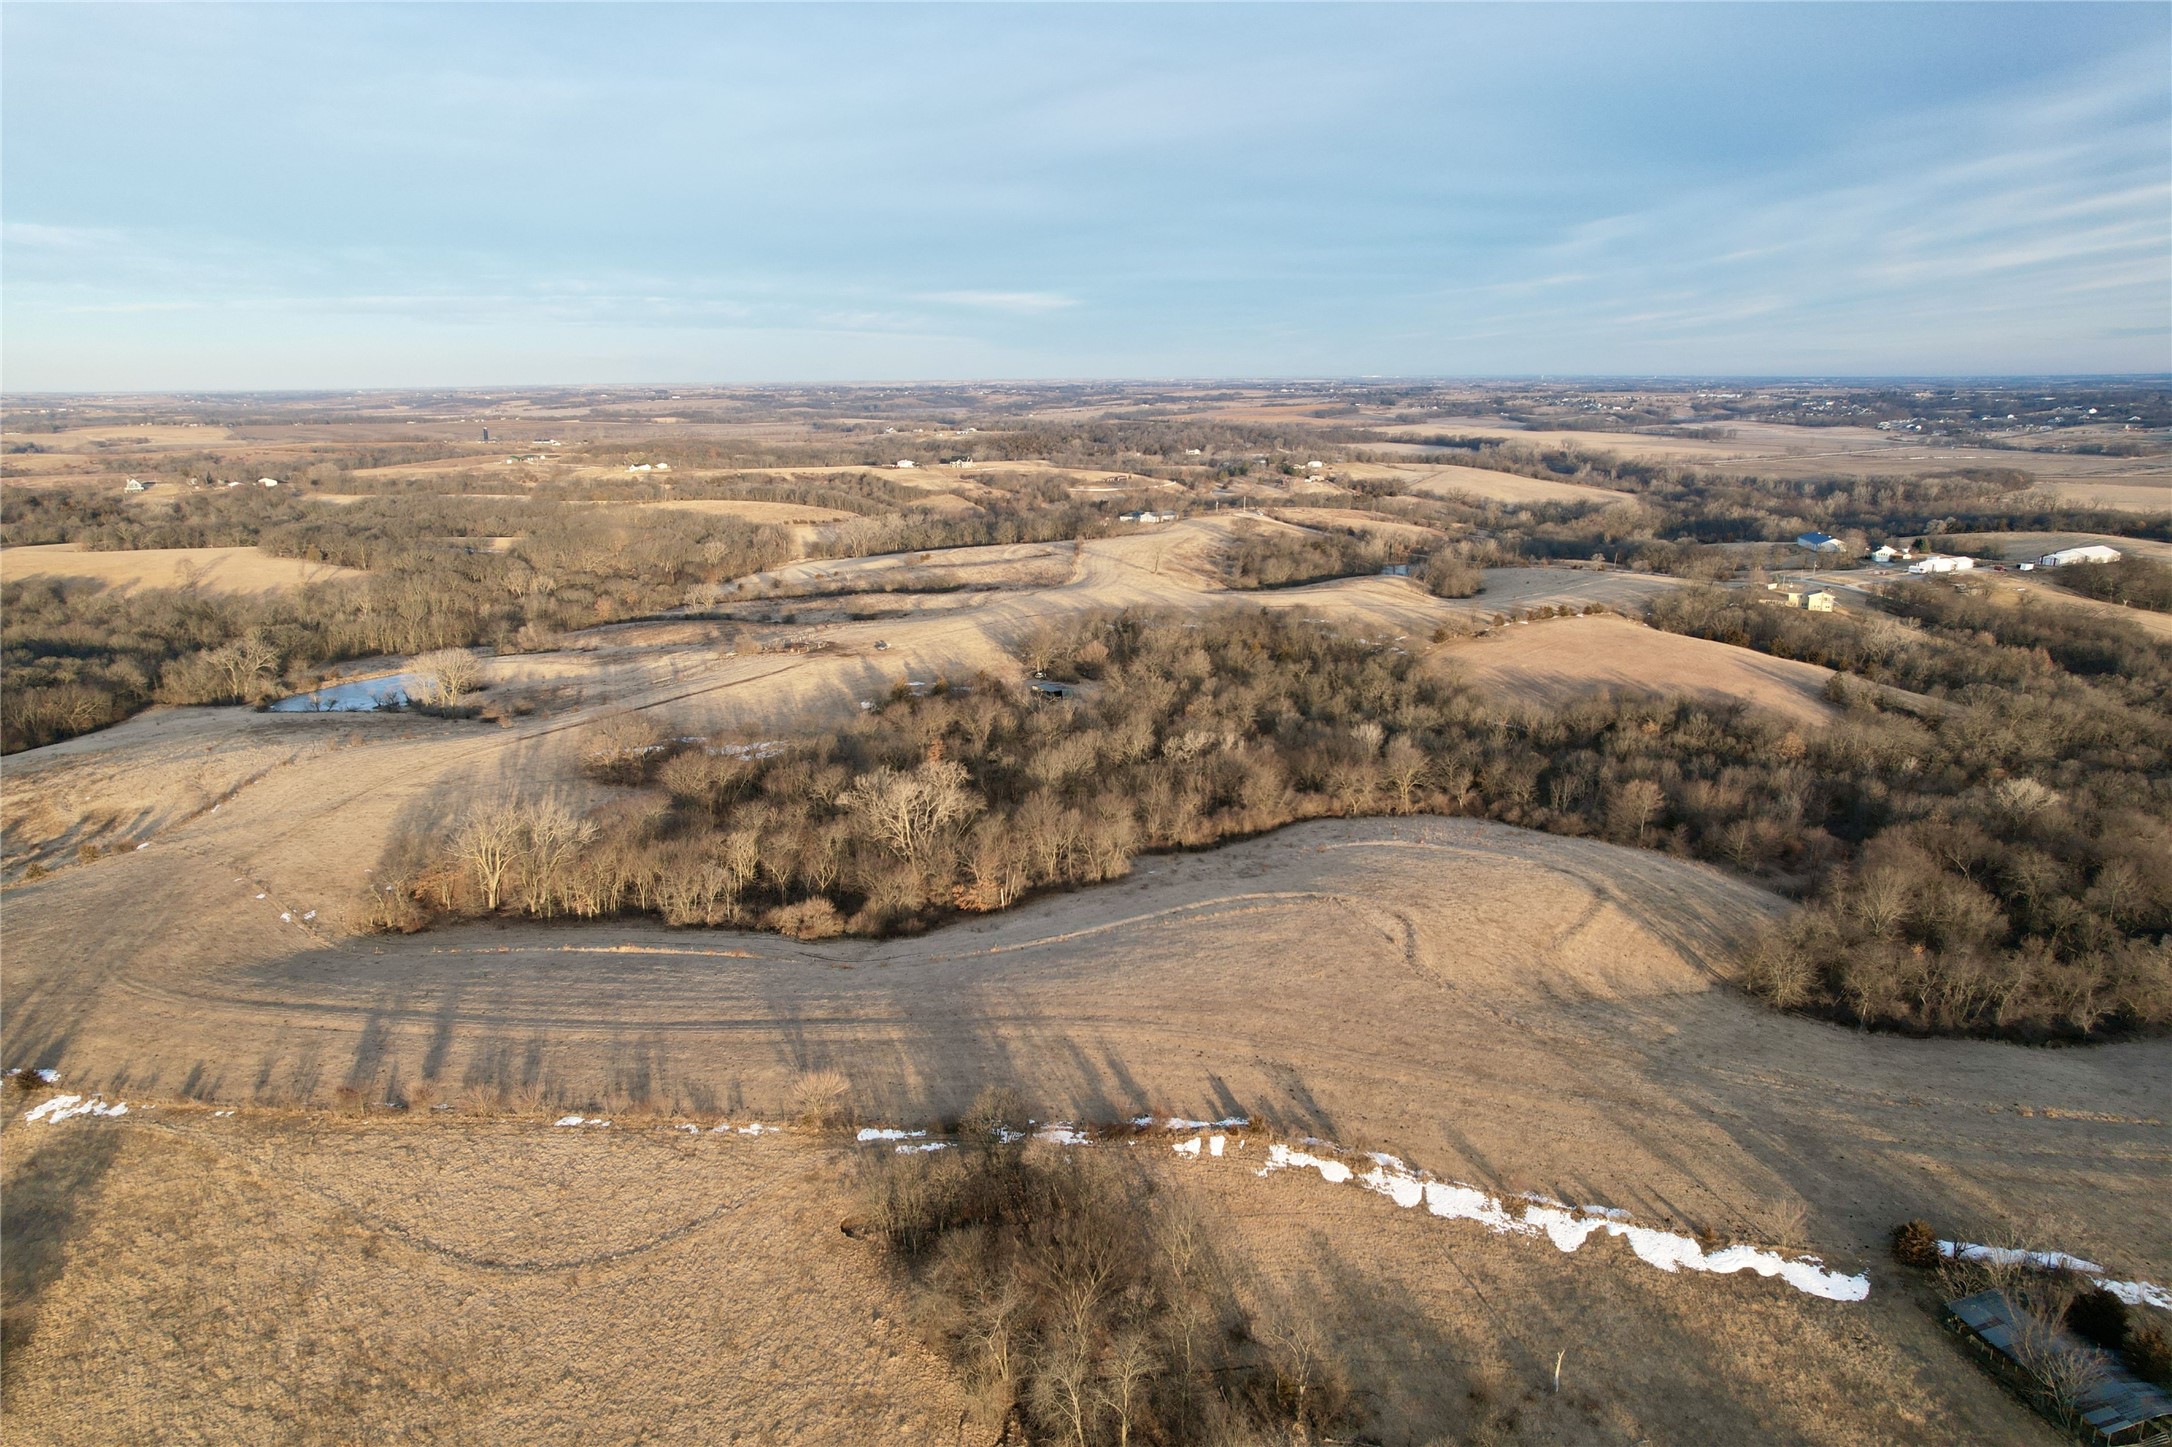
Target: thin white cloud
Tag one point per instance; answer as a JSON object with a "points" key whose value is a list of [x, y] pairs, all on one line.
{"points": [[1016, 303]]}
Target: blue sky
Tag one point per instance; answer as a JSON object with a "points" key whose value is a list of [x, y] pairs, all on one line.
{"points": [[275, 196]]}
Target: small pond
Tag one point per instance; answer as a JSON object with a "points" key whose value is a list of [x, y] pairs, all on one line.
{"points": [[358, 697]]}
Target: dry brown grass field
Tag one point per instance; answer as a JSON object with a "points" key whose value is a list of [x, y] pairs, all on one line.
{"points": [[2028, 547], [1556, 660], [1483, 484], [1512, 1010], [215, 570], [2142, 484], [750, 511]]}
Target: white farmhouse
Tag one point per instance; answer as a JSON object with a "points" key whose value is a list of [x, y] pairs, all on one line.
{"points": [[2093, 553], [905, 462], [135, 484], [1887, 553], [1942, 563]]}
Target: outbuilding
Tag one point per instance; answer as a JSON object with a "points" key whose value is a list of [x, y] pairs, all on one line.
{"points": [[1942, 563], [1818, 542], [2093, 553]]}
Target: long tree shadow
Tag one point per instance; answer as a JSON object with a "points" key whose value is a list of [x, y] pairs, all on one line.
{"points": [[46, 1203]]}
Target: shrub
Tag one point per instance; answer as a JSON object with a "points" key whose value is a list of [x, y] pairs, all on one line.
{"points": [[822, 1098], [1084, 1307], [2095, 1315], [1916, 1244], [810, 919], [2149, 1354]]}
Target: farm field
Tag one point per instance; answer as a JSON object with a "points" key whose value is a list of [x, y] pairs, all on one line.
{"points": [[2136, 483], [1556, 660], [753, 511], [1519, 1012], [2028, 547], [1484, 484], [216, 570]]}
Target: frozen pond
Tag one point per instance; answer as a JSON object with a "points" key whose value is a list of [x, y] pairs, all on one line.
{"points": [[358, 697]]}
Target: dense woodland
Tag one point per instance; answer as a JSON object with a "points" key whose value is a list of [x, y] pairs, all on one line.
{"points": [[2131, 582], [79, 656], [1987, 853]]}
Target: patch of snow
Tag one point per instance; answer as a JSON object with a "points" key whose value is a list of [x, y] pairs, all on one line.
{"points": [[888, 1133], [906, 1150], [260, 896], [597, 1121], [1187, 1148], [1215, 1144], [286, 917], [2015, 1256], [311, 915], [1061, 1134], [146, 844], [219, 1114], [2133, 1293], [68, 1107], [1567, 1229]]}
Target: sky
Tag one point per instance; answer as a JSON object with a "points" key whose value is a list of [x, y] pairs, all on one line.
{"points": [[273, 196]]}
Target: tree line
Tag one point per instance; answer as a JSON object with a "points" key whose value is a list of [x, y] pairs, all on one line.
{"points": [[1999, 864]]}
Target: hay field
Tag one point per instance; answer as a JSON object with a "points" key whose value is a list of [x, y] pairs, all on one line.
{"points": [[1779, 450], [1375, 525], [278, 1275], [1555, 660], [1519, 1011], [289, 1278], [753, 511], [1485, 484], [2028, 547], [2147, 495], [215, 570]]}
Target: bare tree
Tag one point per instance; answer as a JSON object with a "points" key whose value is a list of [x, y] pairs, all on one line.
{"points": [[908, 812], [1634, 806], [489, 842], [444, 676]]}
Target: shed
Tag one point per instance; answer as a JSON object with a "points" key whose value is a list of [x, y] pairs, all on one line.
{"points": [[1941, 563], [1887, 553], [2117, 1406], [134, 484], [1818, 542], [2093, 553]]}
